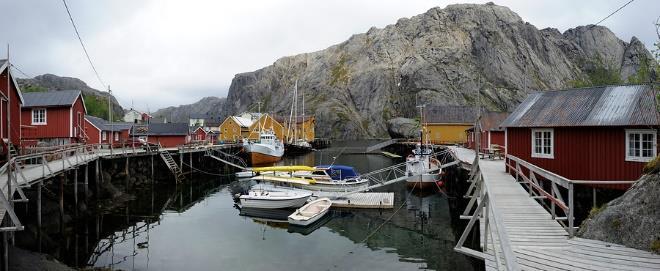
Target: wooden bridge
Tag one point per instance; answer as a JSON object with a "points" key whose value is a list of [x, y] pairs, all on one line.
{"points": [[517, 233]]}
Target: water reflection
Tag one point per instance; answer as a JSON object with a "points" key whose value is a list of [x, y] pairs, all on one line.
{"points": [[196, 227]]}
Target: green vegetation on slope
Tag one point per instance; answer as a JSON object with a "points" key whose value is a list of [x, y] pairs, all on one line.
{"points": [[601, 75], [98, 107], [33, 88]]}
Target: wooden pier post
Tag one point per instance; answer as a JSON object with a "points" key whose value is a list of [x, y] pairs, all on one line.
{"points": [[181, 160], [126, 166], [75, 187], [571, 212], [86, 181], [39, 185], [593, 191], [61, 203], [5, 251], [152, 169], [191, 164]]}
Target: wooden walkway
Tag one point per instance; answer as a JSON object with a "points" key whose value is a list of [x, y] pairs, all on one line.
{"points": [[27, 174], [537, 240]]}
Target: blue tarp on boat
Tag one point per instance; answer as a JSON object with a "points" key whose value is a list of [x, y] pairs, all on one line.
{"points": [[340, 172]]}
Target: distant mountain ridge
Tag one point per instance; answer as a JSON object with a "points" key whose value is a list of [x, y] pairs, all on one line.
{"points": [[51, 82], [208, 107]]}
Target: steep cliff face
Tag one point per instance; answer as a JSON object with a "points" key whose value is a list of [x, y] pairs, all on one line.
{"points": [[210, 107], [444, 56]]}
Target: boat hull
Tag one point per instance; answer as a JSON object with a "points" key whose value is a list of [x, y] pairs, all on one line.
{"points": [[273, 203], [305, 220], [264, 153], [423, 181]]}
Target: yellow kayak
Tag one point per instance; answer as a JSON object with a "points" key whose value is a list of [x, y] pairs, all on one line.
{"points": [[282, 168]]}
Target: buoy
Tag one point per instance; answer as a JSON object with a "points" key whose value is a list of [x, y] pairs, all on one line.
{"points": [[440, 183]]}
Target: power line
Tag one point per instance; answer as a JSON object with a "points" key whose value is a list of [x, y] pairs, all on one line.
{"points": [[613, 12], [19, 70], [82, 44]]}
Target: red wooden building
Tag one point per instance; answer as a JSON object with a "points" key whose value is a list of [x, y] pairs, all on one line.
{"points": [[601, 133], [165, 134], [100, 131], [9, 89], [491, 131], [53, 117], [198, 133]]}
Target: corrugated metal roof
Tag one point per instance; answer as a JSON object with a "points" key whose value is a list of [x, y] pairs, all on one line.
{"points": [[490, 121], [630, 105], [105, 125], [450, 114], [2, 63], [163, 129], [243, 122], [50, 98]]}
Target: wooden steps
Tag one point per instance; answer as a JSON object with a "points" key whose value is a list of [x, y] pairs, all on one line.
{"points": [[171, 164]]}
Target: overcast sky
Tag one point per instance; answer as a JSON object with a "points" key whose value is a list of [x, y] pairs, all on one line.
{"points": [[158, 53]]}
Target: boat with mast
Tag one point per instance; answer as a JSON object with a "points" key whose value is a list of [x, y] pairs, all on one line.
{"points": [[267, 148], [422, 167], [294, 144]]}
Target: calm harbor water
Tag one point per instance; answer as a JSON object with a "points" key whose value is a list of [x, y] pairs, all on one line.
{"points": [[197, 227]]}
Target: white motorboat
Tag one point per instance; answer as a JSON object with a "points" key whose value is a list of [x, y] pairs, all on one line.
{"points": [[327, 178], [422, 168], [311, 212], [274, 198]]}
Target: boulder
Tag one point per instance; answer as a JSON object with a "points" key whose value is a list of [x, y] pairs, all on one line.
{"points": [[402, 128], [632, 220]]}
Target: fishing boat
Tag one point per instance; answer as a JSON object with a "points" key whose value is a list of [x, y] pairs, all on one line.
{"points": [[274, 198], [268, 149], [422, 167], [327, 178], [295, 144], [311, 212]]}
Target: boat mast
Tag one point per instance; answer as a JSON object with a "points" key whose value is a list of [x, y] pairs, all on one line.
{"points": [[288, 125], [295, 124], [303, 116]]}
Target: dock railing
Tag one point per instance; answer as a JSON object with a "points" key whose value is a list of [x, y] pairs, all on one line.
{"points": [[68, 154], [478, 191], [531, 175]]}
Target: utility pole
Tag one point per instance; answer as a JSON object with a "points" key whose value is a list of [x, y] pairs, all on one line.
{"points": [[112, 132]]}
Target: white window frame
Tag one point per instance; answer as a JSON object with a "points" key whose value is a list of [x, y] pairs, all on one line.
{"points": [[551, 155], [45, 121], [640, 158], [104, 135], [116, 136]]}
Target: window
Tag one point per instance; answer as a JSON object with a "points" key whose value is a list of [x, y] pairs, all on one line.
{"points": [[543, 143], [39, 116], [116, 136], [641, 145], [104, 135]]}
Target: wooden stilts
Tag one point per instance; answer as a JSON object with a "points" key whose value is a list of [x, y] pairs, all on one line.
{"points": [[62, 203], [75, 187], [5, 252], [593, 191], [86, 181], [39, 185]]}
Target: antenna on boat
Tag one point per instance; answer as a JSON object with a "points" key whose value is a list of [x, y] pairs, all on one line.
{"points": [[334, 158]]}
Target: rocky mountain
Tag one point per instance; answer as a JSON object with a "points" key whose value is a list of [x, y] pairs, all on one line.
{"points": [[48, 82], [210, 107], [453, 56]]}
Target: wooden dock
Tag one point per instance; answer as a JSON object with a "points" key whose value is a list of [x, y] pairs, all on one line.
{"points": [[34, 168], [364, 200], [522, 235]]}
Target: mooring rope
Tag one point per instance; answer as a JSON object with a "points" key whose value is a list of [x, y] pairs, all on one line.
{"points": [[206, 172]]}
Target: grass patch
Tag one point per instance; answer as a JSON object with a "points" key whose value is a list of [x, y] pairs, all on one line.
{"points": [[655, 245], [596, 210], [652, 166], [339, 73]]}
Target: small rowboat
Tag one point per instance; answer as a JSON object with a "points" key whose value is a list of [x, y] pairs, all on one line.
{"points": [[311, 212]]}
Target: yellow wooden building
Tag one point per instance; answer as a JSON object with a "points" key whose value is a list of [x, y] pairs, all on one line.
{"points": [[234, 128], [304, 127], [266, 121], [448, 124]]}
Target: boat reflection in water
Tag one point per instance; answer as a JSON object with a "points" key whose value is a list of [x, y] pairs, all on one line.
{"points": [[277, 218]]}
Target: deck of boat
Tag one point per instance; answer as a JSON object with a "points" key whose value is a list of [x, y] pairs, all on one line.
{"points": [[537, 241]]}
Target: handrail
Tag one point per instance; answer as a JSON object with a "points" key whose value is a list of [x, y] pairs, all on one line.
{"points": [[479, 190]]}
